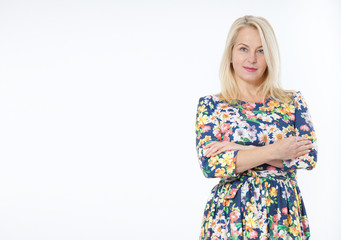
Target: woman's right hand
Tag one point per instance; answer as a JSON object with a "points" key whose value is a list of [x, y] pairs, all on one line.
{"points": [[291, 147]]}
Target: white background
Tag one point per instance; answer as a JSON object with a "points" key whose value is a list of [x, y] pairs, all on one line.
{"points": [[98, 102]]}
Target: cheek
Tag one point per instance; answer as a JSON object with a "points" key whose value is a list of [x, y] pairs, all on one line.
{"points": [[263, 63], [237, 61]]}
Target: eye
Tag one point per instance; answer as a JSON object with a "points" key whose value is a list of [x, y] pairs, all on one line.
{"points": [[242, 48], [262, 51]]}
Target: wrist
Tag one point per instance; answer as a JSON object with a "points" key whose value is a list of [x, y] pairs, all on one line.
{"points": [[272, 152]]}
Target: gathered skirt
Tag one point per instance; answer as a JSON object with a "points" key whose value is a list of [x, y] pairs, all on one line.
{"points": [[261, 205]]}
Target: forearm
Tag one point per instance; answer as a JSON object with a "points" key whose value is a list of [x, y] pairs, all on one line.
{"points": [[276, 163], [255, 156]]}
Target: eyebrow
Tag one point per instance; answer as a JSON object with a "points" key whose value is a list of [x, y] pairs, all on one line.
{"points": [[247, 45]]}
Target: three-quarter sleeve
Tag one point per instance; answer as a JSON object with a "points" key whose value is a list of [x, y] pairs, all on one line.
{"points": [[304, 128], [207, 129]]}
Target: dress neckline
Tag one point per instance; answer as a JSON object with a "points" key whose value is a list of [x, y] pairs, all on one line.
{"points": [[247, 102]]}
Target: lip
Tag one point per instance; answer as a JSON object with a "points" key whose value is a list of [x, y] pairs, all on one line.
{"points": [[250, 69]]}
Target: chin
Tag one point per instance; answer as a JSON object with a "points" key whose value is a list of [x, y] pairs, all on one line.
{"points": [[251, 80]]}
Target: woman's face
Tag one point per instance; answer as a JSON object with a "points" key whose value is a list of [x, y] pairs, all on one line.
{"points": [[247, 57]]}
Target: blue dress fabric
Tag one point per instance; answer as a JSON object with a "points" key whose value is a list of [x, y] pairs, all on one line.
{"points": [[264, 202]]}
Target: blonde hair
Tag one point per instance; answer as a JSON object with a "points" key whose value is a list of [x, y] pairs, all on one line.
{"points": [[271, 85]]}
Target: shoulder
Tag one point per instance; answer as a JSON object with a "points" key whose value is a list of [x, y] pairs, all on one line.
{"points": [[299, 100], [295, 95], [209, 101]]}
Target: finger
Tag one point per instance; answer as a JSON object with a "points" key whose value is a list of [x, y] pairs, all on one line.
{"points": [[210, 154], [209, 151], [213, 150], [305, 148], [206, 152], [212, 143], [228, 148], [208, 148], [305, 142], [302, 139], [302, 142], [299, 139], [218, 151], [221, 149], [209, 144], [302, 153], [213, 154]]}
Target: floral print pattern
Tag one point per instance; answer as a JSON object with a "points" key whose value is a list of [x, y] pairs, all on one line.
{"points": [[264, 202]]}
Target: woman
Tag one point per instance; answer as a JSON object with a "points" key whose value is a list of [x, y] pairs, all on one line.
{"points": [[254, 135]]}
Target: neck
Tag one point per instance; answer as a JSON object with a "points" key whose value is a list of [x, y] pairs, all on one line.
{"points": [[248, 91]]}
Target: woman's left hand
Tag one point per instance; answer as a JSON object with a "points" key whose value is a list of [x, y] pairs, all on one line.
{"points": [[214, 148]]}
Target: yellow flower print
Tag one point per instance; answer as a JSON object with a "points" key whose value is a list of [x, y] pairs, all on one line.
{"points": [[219, 172], [213, 161], [228, 157], [311, 160], [201, 121], [202, 108], [289, 219], [263, 108], [252, 199], [207, 138], [296, 230], [294, 209], [268, 202], [250, 207], [282, 111], [273, 103], [250, 222], [289, 108], [288, 129], [307, 136], [273, 191], [204, 140]]}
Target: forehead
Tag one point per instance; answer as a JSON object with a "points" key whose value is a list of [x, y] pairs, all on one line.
{"points": [[249, 36]]}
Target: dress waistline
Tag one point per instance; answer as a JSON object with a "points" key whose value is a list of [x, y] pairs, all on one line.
{"points": [[233, 184]]}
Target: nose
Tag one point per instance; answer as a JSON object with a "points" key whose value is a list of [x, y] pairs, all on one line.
{"points": [[252, 57]]}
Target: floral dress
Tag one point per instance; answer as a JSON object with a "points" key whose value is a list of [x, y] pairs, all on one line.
{"points": [[264, 202]]}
